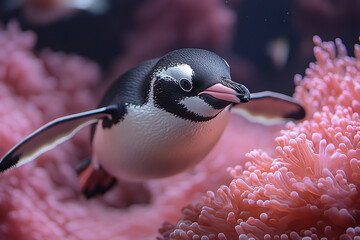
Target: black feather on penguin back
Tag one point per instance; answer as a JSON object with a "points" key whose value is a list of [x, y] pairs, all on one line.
{"points": [[132, 87]]}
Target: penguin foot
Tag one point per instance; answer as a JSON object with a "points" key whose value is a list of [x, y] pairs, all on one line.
{"points": [[94, 181]]}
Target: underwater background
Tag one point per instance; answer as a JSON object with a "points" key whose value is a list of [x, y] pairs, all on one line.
{"points": [[297, 180]]}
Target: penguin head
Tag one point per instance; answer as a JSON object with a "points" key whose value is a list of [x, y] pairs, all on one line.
{"points": [[195, 84]]}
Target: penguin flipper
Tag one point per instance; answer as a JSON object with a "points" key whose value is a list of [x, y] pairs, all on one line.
{"points": [[270, 107], [93, 179], [52, 134]]}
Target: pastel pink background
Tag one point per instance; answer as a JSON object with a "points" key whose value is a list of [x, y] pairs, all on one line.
{"points": [[302, 182]]}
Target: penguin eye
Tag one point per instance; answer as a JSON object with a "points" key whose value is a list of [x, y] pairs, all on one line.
{"points": [[185, 85]]}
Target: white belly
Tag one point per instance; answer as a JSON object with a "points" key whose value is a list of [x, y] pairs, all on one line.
{"points": [[152, 143]]}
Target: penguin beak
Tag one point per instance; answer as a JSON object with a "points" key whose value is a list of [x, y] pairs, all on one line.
{"points": [[228, 91]]}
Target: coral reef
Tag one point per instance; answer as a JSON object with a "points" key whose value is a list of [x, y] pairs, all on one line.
{"points": [[42, 199], [304, 185], [34, 89], [310, 188]]}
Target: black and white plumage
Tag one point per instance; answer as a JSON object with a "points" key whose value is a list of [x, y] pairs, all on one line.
{"points": [[158, 119]]}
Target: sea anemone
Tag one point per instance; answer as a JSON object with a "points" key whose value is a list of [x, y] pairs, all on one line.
{"points": [[309, 189]]}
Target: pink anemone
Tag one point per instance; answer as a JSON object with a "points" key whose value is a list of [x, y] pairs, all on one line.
{"points": [[309, 189]]}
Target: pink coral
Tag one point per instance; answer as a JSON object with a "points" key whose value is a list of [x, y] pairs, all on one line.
{"points": [[310, 188], [35, 89], [42, 200]]}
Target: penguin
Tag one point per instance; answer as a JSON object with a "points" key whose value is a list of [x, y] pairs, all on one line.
{"points": [[158, 119]]}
